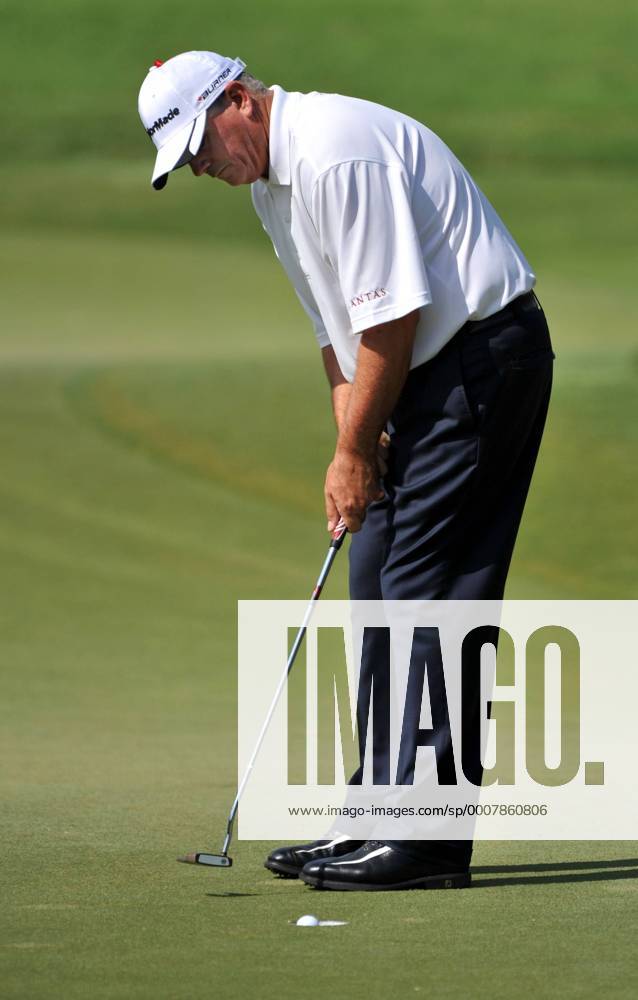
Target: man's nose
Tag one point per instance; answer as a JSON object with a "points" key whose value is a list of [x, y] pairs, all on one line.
{"points": [[197, 165]]}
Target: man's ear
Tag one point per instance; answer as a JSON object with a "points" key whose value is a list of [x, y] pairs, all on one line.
{"points": [[237, 95]]}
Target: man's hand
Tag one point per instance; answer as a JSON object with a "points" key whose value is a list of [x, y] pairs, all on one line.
{"points": [[383, 450], [352, 483]]}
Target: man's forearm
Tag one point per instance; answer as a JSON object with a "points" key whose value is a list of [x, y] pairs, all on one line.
{"points": [[383, 363], [340, 401], [340, 388]]}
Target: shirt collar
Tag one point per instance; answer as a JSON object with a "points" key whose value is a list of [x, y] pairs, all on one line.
{"points": [[282, 116]]}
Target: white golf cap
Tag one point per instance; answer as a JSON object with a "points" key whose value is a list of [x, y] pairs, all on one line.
{"points": [[173, 102]]}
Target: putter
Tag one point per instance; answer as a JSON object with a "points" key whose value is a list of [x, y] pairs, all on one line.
{"points": [[223, 860]]}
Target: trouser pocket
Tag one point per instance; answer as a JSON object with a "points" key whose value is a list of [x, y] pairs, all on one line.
{"points": [[522, 344]]}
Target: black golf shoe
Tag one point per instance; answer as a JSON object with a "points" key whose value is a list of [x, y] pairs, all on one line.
{"points": [[288, 861], [376, 866]]}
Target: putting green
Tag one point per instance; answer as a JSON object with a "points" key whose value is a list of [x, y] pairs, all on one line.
{"points": [[164, 427], [149, 483]]}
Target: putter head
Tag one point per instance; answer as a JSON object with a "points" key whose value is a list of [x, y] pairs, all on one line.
{"points": [[213, 860]]}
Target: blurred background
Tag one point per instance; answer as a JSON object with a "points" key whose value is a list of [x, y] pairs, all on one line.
{"points": [[165, 422]]}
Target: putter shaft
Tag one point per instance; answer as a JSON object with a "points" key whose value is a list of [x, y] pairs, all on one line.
{"points": [[222, 860]]}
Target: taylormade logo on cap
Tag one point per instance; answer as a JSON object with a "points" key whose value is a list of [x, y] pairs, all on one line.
{"points": [[160, 122], [173, 102]]}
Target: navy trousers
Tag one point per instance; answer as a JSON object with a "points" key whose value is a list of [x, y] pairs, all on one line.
{"points": [[465, 434]]}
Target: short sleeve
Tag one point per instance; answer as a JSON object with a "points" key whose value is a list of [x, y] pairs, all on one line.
{"points": [[305, 296], [362, 213]]}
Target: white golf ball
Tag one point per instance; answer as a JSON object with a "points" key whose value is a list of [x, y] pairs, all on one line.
{"points": [[308, 921]]}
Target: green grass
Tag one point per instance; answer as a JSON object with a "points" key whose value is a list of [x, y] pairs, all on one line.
{"points": [[164, 427], [150, 481], [504, 78]]}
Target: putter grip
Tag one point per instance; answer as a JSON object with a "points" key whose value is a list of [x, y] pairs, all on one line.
{"points": [[338, 535]]}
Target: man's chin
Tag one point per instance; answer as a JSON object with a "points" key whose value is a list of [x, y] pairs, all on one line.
{"points": [[230, 177], [216, 175]]}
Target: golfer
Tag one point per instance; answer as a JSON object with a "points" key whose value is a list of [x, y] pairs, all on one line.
{"points": [[434, 344]]}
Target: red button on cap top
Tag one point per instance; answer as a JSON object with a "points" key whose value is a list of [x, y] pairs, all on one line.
{"points": [[158, 62]]}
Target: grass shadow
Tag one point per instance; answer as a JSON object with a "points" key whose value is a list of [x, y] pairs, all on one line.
{"points": [[558, 873], [232, 895], [553, 866]]}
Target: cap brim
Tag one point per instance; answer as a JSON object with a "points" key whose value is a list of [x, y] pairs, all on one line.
{"points": [[178, 150]]}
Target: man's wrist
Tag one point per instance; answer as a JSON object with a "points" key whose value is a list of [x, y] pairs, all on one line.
{"points": [[349, 447]]}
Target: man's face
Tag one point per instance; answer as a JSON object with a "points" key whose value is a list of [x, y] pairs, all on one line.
{"points": [[235, 143]]}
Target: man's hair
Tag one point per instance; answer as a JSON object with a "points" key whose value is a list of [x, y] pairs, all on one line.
{"points": [[254, 86]]}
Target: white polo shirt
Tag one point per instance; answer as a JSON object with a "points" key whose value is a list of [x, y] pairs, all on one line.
{"points": [[372, 216]]}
